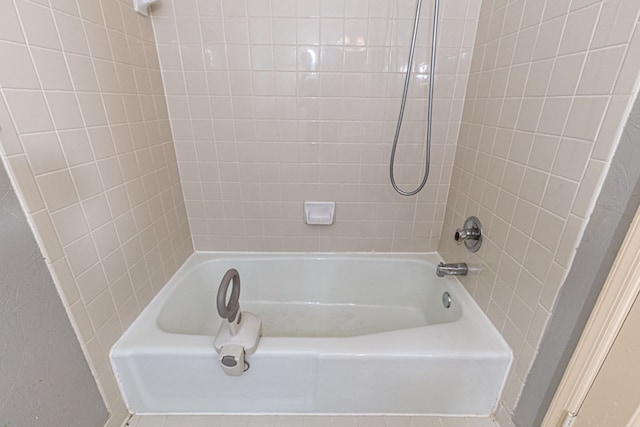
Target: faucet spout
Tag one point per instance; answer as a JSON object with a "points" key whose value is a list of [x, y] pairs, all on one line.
{"points": [[455, 269]]}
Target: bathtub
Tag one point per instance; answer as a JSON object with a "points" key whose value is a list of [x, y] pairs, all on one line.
{"points": [[342, 334]]}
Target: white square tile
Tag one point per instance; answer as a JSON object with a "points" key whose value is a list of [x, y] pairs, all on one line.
{"points": [[283, 7], [43, 152], [70, 223], [578, 30], [57, 189], [81, 255], [72, 34], [92, 283], [18, 71], [29, 111], [572, 158], [10, 29], [65, 110], [186, 8], [601, 71], [98, 42], [559, 195], [616, 23], [38, 24]]}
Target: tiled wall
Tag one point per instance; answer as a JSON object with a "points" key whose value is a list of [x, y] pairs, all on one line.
{"points": [[86, 138], [273, 102], [550, 87]]}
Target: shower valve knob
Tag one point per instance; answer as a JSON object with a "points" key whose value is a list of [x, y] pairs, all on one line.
{"points": [[462, 235], [470, 234]]}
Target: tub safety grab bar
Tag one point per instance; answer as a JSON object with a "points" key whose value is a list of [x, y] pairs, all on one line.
{"points": [[229, 310]]}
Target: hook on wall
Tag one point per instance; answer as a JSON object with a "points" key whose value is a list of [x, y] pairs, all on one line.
{"points": [[142, 6]]}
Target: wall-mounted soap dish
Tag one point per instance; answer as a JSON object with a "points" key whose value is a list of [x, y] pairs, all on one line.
{"points": [[319, 213]]}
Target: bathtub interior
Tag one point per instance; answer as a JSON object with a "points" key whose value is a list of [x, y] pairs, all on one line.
{"points": [[312, 296], [434, 361]]}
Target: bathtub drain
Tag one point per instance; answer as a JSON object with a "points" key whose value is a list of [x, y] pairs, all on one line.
{"points": [[446, 300]]}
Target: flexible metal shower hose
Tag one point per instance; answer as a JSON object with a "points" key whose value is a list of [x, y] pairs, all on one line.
{"points": [[432, 68]]}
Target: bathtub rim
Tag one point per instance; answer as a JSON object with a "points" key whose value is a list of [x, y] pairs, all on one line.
{"points": [[151, 331]]}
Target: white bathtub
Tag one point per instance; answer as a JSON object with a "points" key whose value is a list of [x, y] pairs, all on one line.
{"points": [[354, 334]]}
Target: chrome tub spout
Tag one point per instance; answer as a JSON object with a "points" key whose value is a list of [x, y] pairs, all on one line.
{"points": [[455, 269]]}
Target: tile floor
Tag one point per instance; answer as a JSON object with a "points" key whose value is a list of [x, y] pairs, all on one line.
{"points": [[304, 421]]}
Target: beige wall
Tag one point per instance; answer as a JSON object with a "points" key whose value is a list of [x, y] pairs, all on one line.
{"points": [[548, 94], [88, 144], [613, 398], [274, 103]]}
